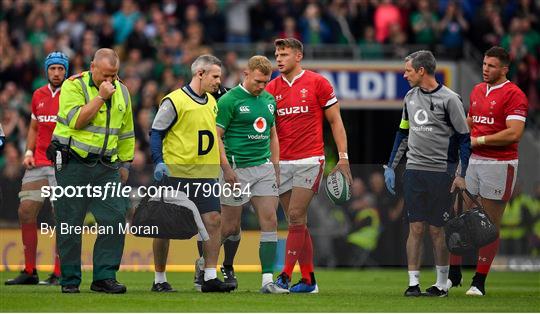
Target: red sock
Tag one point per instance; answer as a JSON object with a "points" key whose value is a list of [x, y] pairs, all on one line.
{"points": [[306, 258], [293, 247], [29, 239], [455, 260], [486, 254], [56, 271]]}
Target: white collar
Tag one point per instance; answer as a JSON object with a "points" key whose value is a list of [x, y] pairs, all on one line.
{"points": [[245, 90], [54, 92], [294, 78], [489, 89]]}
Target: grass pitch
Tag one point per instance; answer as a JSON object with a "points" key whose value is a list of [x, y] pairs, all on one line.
{"points": [[370, 290]]}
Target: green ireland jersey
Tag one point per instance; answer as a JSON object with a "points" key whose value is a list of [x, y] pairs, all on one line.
{"points": [[247, 120]]}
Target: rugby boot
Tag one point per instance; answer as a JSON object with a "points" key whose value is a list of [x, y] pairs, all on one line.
{"points": [[24, 278]]}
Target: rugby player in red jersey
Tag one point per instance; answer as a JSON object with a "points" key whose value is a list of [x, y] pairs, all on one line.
{"points": [[39, 170], [497, 114], [304, 99]]}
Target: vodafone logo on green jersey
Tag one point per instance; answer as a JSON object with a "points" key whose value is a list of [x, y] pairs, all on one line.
{"points": [[260, 124]]}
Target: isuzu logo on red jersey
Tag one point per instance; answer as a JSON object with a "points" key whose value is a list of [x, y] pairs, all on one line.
{"points": [[292, 110], [46, 119], [483, 120]]}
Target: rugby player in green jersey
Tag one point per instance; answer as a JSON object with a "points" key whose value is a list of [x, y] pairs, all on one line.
{"points": [[249, 152]]}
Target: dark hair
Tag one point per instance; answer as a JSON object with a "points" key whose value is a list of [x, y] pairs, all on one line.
{"points": [[422, 59], [499, 53], [292, 43]]}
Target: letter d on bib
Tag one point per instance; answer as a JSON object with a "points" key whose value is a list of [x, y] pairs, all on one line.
{"points": [[202, 134]]}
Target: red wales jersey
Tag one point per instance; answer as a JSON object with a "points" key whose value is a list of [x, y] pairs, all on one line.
{"points": [[44, 110], [490, 109], [300, 106]]}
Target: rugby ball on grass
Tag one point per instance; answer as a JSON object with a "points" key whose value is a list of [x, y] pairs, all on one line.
{"points": [[337, 188]]}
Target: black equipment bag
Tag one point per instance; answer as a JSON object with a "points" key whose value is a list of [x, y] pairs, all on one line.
{"points": [[172, 221], [470, 230]]}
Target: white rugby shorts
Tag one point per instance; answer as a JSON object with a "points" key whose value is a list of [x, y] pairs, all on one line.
{"points": [[40, 173], [257, 180], [490, 178], [305, 173]]}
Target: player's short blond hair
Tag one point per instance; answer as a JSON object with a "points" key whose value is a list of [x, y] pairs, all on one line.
{"points": [[260, 63], [292, 43]]}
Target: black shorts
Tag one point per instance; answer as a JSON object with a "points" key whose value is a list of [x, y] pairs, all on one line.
{"points": [[427, 196], [196, 190]]}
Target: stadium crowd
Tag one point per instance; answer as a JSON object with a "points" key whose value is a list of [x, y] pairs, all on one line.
{"points": [[158, 40]]}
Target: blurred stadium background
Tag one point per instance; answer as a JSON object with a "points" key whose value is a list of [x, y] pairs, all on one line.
{"points": [[358, 45]]}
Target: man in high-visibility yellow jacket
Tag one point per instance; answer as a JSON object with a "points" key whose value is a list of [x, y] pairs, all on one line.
{"points": [[95, 122]]}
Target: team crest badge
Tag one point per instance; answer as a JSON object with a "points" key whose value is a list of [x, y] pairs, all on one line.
{"points": [[271, 108], [304, 91]]}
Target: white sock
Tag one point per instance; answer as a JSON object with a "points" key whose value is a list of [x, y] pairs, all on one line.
{"points": [[160, 277], [414, 277], [209, 274], [266, 278], [442, 276]]}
